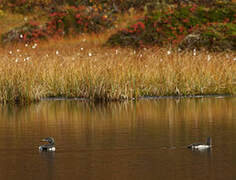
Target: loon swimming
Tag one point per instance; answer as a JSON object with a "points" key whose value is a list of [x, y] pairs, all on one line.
{"points": [[49, 146], [201, 146]]}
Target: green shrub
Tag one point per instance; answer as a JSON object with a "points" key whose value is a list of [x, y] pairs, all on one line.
{"points": [[63, 22], [171, 25], [215, 37], [80, 19], [29, 32], [19, 6], [22, 6]]}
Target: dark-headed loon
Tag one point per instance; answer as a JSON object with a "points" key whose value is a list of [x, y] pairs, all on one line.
{"points": [[201, 146], [49, 146]]}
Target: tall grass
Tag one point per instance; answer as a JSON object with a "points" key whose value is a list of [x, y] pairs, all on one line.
{"points": [[83, 68]]}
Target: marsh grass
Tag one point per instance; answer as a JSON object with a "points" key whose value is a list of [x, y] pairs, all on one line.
{"points": [[83, 68]]}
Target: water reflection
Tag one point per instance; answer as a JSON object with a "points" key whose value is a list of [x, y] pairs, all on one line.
{"points": [[130, 140], [48, 159]]}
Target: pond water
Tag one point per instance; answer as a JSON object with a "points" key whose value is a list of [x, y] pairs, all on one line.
{"points": [[142, 140]]}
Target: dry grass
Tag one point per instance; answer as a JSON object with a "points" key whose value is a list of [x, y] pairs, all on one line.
{"points": [[83, 68], [9, 20]]}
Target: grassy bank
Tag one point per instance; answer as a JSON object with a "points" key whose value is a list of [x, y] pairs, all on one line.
{"points": [[84, 68]]}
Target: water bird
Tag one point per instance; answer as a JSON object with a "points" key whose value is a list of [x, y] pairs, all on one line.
{"points": [[201, 146], [49, 146]]}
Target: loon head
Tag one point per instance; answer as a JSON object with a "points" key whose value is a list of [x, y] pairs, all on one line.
{"points": [[50, 140]]}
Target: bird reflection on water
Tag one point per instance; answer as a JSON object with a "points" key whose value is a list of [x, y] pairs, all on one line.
{"points": [[49, 160]]}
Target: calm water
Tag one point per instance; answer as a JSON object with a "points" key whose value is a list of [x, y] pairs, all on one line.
{"points": [[124, 141]]}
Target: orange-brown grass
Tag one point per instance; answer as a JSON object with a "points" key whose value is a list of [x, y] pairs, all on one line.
{"points": [[83, 68], [8, 20]]}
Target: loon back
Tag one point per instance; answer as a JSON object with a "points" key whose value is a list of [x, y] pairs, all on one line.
{"points": [[194, 145], [201, 145], [47, 148]]}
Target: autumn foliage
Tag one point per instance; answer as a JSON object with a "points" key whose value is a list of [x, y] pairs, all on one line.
{"points": [[191, 24], [213, 27], [63, 22]]}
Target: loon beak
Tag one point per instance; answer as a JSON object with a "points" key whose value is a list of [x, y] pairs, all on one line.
{"points": [[43, 140]]}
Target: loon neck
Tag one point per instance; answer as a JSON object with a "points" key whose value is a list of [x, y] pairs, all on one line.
{"points": [[208, 141], [51, 143]]}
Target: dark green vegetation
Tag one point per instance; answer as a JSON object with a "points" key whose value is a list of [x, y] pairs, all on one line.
{"points": [[187, 26]]}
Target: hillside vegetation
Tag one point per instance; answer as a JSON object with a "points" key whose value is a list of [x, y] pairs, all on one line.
{"points": [[122, 50], [183, 24]]}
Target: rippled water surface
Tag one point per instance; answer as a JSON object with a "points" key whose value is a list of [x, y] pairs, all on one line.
{"points": [[124, 141]]}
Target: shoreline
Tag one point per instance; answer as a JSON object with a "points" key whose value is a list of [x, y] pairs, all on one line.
{"points": [[137, 99]]}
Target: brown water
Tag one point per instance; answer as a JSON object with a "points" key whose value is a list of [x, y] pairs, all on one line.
{"points": [[124, 141]]}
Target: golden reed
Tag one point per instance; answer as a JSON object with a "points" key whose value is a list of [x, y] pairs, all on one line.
{"points": [[83, 68]]}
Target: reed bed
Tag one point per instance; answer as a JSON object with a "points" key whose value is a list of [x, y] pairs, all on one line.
{"points": [[83, 68]]}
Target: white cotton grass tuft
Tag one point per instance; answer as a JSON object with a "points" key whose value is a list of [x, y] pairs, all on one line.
{"points": [[21, 36], [234, 59], [208, 57], [27, 59], [34, 46], [194, 52], [89, 54], [10, 52], [168, 52], [57, 52], [81, 49]]}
